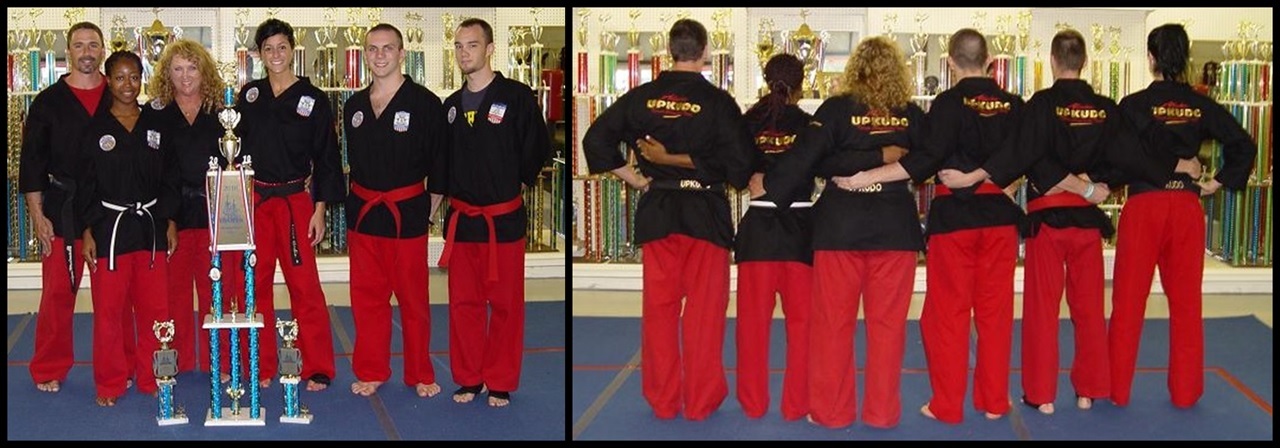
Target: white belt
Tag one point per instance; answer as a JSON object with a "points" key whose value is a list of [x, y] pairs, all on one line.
{"points": [[139, 208], [767, 204]]}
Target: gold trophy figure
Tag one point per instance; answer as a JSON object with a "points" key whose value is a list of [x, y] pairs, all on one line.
{"points": [[450, 80], [764, 50]]}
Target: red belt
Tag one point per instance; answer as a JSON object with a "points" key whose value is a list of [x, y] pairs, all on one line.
{"points": [[488, 211], [983, 188], [1057, 201], [373, 197]]}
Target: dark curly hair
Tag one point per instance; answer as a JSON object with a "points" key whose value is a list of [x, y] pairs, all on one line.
{"points": [[784, 74]]}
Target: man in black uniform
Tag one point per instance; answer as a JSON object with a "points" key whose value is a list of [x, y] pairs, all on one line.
{"points": [[497, 144], [682, 221], [971, 233], [46, 170], [394, 132]]}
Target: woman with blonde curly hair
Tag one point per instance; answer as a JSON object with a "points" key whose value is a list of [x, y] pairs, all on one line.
{"points": [[187, 93], [865, 241]]}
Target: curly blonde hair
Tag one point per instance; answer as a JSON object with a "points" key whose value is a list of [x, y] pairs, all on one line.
{"points": [[211, 85], [876, 75]]}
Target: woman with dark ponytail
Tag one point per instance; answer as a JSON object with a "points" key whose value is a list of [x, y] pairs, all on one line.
{"points": [[773, 252], [1163, 222]]}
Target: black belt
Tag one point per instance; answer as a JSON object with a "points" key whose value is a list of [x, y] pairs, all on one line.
{"points": [[1180, 182], [282, 190], [140, 209], [67, 214], [875, 188], [686, 185]]}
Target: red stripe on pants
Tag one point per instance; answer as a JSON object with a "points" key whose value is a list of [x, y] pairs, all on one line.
{"points": [[381, 266], [54, 351], [758, 283], [477, 355], [132, 292], [841, 280], [1165, 229], [681, 354], [969, 275], [306, 299], [1059, 259], [188, 265]]}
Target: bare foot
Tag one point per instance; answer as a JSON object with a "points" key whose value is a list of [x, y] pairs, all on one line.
{"points": [[926, 412], [264, 383], [365, 388], [1081, 402], [106, 401], [224, 377], [499, 399], [991, 416], [465, 394], [427, 390], [128, 383], [314, 386], [50, 386]]}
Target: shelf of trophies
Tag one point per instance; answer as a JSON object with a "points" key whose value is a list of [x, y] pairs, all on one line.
{"points": [[332, 58], [1239, 226]]}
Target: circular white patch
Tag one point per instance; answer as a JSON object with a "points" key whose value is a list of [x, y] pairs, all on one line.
{"points": [[253, 259], [453, 113], [357, 119], [215, 274], [155, 104], [107, 142], [252, 94]]}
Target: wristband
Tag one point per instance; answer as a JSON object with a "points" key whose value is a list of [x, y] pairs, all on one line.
{"points": [[1088, 191]]}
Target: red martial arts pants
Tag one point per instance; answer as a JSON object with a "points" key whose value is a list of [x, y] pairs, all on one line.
{"points": [[841, 280], [969, 275], [1164, 228], [1058, 259], [682, 359], [486, 319], [53, 341], [381, 266], [190, 264], [758, 283], [135, 291], [306, 299]]}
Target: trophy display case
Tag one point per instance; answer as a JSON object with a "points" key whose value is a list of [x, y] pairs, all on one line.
{"points": [[328, 50]]}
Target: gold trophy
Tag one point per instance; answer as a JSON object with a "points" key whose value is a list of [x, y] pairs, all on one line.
{"points": [[721, 56], [164, 365], [583, 81], [535, 53], [764, 50], [803, 43], [450, 79], [633, 51], [1095, 64], [660, 60]]}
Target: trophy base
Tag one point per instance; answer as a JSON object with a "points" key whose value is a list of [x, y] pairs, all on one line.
{"points": [[301, 419], [238, 320], [229, 419], [180, 420]]}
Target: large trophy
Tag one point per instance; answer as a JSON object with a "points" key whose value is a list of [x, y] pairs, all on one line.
{"points": [[721, 54], [165, 367], [450, 79], [808, 47], [326, 64], [518, 55], [535, 53], [633, 51], [230, 200], [920, 55], [414, 63], [764, 50], [354, 52], [291, 374], [244, 64], [660, 60], [583, 76], [608, 62]]}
